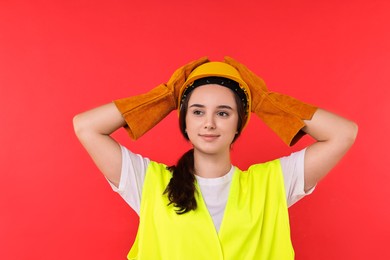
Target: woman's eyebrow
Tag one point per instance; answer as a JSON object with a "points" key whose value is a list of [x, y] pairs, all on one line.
{"points": [[197, 105], [225, 107], [219, 107]]}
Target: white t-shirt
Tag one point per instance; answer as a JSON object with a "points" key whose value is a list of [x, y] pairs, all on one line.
{"points": [[214, 191]]}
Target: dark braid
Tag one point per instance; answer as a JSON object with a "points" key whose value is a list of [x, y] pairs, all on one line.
{"points": [[181, 189]]}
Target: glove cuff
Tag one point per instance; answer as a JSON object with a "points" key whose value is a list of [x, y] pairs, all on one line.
{"points": [[284, 115], [144, 111]]}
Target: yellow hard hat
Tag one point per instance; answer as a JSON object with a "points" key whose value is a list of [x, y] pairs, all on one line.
{"points": [[221, 70]]}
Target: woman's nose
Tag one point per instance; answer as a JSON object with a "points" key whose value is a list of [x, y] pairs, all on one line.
{"points": [[209, 123]]}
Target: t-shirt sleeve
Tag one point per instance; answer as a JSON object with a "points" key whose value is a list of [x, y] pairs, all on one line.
{"points": [[294, 179], [133, 171]]}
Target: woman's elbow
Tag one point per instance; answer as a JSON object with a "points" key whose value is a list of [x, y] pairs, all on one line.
{"points": [[354, 129], [350, 133], [78, 125]]}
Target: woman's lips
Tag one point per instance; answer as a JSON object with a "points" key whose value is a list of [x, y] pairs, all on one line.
{"points": [[209, 137]]}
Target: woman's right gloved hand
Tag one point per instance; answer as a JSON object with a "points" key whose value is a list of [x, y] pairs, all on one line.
{"points": [[144, 111], [282, 113]]}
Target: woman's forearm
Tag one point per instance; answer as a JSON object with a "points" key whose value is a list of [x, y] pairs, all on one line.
{"points": [[104, 120]]}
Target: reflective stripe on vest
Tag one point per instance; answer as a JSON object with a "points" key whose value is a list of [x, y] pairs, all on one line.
{"points": [[255, 223]]}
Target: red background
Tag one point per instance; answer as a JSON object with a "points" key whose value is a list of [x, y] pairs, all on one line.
{"points": [[63, 57]]}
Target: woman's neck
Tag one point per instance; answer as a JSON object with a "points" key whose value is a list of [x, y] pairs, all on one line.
{"points": [[211, 166]]}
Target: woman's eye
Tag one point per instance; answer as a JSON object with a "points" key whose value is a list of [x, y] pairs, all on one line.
{"points": [[223, 114], [197, 112]]}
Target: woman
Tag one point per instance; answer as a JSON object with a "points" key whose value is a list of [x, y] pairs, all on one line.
{"points": [[205, 208]]}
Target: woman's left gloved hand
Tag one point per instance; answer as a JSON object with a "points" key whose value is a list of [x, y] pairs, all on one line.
{"points": [[282, 113]]}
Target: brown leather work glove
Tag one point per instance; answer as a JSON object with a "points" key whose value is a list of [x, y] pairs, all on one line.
{"points": [[282, 113], [144, 111]]}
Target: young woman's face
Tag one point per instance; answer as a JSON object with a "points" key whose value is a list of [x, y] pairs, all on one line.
{"points": [[211, 118]]}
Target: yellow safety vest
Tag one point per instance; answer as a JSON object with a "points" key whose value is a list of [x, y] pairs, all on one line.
{"points": [[255, 223]]}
